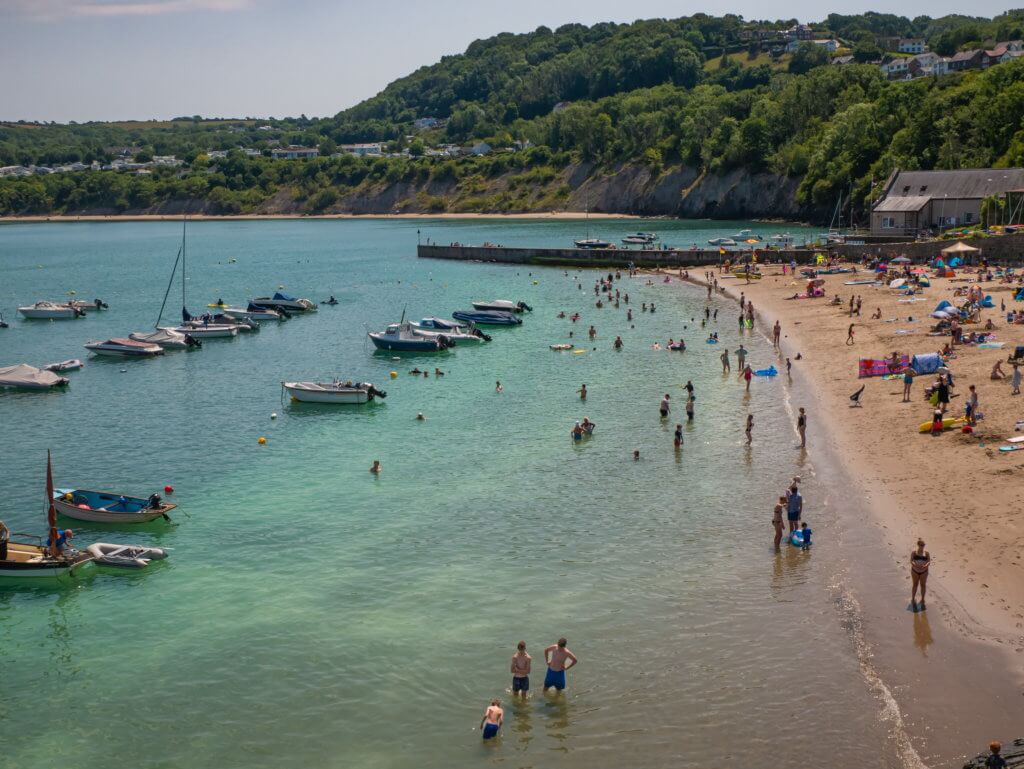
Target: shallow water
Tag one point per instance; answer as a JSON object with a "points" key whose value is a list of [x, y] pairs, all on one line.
{"points": [[313, 614]]}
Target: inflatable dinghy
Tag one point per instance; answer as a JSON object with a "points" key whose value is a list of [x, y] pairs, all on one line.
{"points": [[560, 346], [770, 371], [129, 556]]}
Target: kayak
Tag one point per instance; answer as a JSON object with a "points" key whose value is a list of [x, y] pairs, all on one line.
{"points": [[947, 423]]}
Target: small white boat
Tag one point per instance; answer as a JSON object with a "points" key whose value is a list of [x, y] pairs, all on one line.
{"points": [[50, 311], [207, 331], [746, 235], [592, 243], [65, 365], [125, 347], [474, 336], [167, 338], [279, 301], [722, 242], [502, 305], [783, 239], [129, 556], [640, 238], [26, 377], [333, 392], [95, 304], [26, 560], [108, 507], [253, 312]]}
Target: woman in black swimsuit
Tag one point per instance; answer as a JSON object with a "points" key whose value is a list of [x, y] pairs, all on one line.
{"points": [[920, 560]]}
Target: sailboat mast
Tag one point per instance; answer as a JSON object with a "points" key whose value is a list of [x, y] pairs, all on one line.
{"points": [[183, 220]]}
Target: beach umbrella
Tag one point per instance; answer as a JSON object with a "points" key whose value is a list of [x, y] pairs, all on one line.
{"points": [[901, 260], [960, 248], [751, 240]]}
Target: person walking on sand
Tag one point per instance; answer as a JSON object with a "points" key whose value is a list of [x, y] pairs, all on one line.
{"points": [[664, 407], [559, 660], [776, 334], [750, 429], [801, 427], [777, 520], [849, 335], [748, 375], [583, 392], [920, 560], [726, 367], [492, 720], [520, 669], [971, 407], [794, 507]]}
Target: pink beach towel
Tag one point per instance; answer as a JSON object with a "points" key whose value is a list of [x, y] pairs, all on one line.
{"points": [[870, 367]]}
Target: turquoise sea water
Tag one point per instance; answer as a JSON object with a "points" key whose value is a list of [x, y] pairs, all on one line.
{"points": [[311, 614]]}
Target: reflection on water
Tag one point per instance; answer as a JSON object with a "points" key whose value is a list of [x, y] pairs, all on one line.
{"points": [[922, 632]]}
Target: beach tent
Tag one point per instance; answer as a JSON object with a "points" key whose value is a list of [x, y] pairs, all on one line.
{"points": [[1019, 296], [928, 363], [901, 260], [942, 305], [987, 301], [960, 248], [898, 283]]}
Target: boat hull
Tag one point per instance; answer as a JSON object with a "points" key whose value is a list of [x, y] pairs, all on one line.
{"points": [[292, 305], [119, 352], [25, 561], [136, 510], [32, 313], [236, 312], [356, 397], [405, 345], [481, 319], [207, 332]]}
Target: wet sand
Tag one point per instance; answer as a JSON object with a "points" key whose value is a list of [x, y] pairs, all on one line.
{"points": [[953, 673]]}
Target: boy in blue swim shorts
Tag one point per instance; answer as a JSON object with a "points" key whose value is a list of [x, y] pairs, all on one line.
{"points": [[559, 659], [520, 669], [491, 722]]}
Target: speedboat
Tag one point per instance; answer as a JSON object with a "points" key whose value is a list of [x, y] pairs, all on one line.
{"points": [[207, 331], [440, 324], [26, 377], [503, 305], [333, 392], [50, 311], [223, 319], [65, 365], [722, 242], [128, 348], [253, 312], [591, 243], [472, 336], [130, 556], [487, 317], [282, 301], [95, 304], [640, 238], [746, 235], [401, 337], [167, 338], [783, 239], [109, 507]]}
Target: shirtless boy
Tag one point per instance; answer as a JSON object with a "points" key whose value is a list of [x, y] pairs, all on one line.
{"points": [[557, 655], [520, 670]]}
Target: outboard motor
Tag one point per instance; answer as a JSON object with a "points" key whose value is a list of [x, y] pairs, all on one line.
{"points": [[480, 334], [524, 306], [191, 341], [79, 312], [375, 393], [154, 501], [443, 342]]}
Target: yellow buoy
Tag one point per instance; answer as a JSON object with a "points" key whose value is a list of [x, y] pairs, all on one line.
{"points": [[394, 374], [262, 440]]}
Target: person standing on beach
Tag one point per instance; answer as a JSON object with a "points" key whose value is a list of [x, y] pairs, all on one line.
{"points": [[664, 408], [748, 375], [777, 520], [1015, 380], [849, 335], [726, 368], [971, 407], [908, 380], [801, 427], [777, 334], [920, 560], [794, 507], [559, 660], [520, 669]]}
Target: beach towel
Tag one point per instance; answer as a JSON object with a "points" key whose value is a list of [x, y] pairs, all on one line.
{"points": [[872, 367], [928, 363]]}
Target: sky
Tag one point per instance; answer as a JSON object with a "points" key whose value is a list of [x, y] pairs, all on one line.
{"points": [[88, 60]]}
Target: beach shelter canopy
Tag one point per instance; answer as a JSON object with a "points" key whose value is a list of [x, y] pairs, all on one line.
{"points": [[927, 363], [900, 260], [960, 248]]}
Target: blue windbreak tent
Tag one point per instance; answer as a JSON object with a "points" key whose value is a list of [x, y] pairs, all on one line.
{"points": [[1019, 296], [942, 305], [987, 301], [928, 363]]}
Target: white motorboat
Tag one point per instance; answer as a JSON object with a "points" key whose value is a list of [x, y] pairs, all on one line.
{"points": [[253, 312], [50, 311], [640, 238], [65, 365], [783, 239], [333, 392], [592, 243], [26, 377], [127, 348], [502, 305], [95, 304], [473, 336], [441, 325], [402, 337], [283, 301], [129, 556], [721, 242], [746, 235], [207, 331], [167, 338]]}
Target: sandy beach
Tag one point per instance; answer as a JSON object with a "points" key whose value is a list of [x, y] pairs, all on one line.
{"points": [[550, 215], [956, 491]]}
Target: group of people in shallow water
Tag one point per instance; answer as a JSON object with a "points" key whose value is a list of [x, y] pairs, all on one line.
{"points": [[559, 661]]}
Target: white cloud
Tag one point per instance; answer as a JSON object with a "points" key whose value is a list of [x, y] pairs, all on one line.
{"points": [[61, 10]]}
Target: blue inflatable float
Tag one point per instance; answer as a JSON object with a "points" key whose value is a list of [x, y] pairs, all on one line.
{"points": [[770, 371]]}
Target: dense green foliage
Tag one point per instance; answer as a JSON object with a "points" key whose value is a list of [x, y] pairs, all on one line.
{"points": [[687, 92]]}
